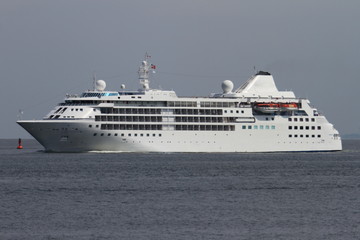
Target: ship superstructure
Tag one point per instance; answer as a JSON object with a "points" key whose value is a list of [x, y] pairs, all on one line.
{"points": [[256, 117]]}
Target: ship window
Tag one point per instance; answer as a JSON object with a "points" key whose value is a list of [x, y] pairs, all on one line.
{"points": [[301, 119], [77, 109], [90, 126], [115, 134], [267, 119], [313, 119], [135, 134], [231, 111], [313, 136], [319, 127], [312, 127], [295, 135], [141, 135], [295, 119], [109, 134], [272, 127], [301, 127], [225, 111], [261, 127], [72, 109], [290, 127], [319, 136], [306, 119], [97, 126], [290, 119], [122, 135], [95, 134], [307, 136], [148, 135], [102, 134], [159, 135], [242, 111], [290, 135], [272, 118], [255, 127], [267, 127], [129, 134], [81, 109], [243, 127], [249, 127], [307, 127], [237, 111], [301, 135], [154, 134]]}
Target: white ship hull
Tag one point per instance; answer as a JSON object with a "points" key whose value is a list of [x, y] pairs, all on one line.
{"points": [[78, 137]]}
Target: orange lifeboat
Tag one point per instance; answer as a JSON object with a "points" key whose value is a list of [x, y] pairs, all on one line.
{"points": [[289, 106], [267, 107]]}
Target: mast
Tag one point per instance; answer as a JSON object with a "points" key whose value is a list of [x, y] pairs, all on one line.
{"points": [[144, 72]]}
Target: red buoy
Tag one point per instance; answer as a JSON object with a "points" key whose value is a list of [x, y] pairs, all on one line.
{"points": [[19, 145]]}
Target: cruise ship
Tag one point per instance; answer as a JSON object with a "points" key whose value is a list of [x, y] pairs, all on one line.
{"points": [[256, 117]]}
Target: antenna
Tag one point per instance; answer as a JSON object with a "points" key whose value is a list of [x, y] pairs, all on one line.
{"points": [[94, 81]]}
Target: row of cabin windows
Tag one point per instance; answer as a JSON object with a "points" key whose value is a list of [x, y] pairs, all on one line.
{"points": [[128, 118], [159, 127], [62, 110], [301, 135], [160, 119], [233, 111], [198, 111], [304, 127], [159, 111], [77, 109], [130, 135], [155, 103], [131, 110], [205, 127], [302, 119], [218, 104], [130, 127], [257, 127], [202, 104], [205, 119], [79, 103]]}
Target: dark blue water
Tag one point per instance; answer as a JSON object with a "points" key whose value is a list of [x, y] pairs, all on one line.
{"points": [[179, 196]]}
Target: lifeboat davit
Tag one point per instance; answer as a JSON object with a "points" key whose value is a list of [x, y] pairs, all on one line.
{"points": [[267, 107]]}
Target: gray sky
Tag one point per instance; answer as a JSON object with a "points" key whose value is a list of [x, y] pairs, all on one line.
{"points": [[50, 48]]}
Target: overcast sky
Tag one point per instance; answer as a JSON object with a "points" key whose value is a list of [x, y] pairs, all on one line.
{"points": [[49, 48]]}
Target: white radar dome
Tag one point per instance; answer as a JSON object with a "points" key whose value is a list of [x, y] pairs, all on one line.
{"points": [[227, 86], [100, 85]]}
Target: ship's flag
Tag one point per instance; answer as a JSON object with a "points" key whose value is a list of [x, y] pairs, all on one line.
{"points": [[153, 66]]}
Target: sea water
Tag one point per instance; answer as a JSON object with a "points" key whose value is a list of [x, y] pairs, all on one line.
{"points": [[178, 196]]}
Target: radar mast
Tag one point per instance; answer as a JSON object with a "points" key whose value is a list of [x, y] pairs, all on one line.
{"points": [[144, 72]]}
